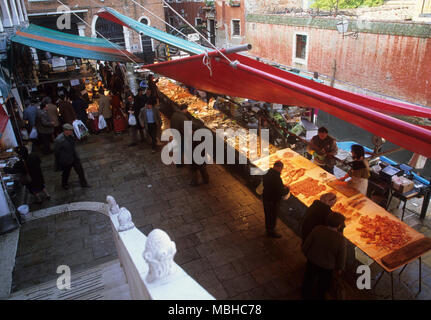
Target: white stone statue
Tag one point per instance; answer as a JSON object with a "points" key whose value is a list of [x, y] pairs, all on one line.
{"points": [[125, 220], [159, 254], [113, 207]]}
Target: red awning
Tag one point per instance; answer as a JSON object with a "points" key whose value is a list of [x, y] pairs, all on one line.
{"points": [[252, 79], [4, 118]]}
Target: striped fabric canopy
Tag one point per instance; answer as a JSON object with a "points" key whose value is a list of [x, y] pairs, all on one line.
{"points": [[184, 45], [72, 45]]}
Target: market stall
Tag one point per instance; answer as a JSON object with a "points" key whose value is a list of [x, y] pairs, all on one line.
{"points": [[379, 234]]}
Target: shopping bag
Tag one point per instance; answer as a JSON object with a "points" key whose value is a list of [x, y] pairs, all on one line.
{"points": [[102, 123], [33, 133], [132, 120], [80, 129], [259, 189], [24, 134]]}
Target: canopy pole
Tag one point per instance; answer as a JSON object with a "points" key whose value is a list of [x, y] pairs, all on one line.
{"points": [[243, 47], [194, 29]]}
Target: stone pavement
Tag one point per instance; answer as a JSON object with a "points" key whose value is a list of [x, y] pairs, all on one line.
{"points": [[104, 282], [218, 228]]}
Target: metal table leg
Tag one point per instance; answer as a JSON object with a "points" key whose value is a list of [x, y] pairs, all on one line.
{"points": [[420, 274], [404, 209], [378, 279], [390, 199], [425, 203], [399, 275]]}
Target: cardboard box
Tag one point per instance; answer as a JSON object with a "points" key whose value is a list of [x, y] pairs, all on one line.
{"points": [[402, 184]]}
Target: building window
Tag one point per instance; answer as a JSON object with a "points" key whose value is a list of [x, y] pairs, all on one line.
{"points": [[300, 48], [198, 21], [236, 28]]}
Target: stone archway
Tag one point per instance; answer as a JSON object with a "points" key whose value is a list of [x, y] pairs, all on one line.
{"points": [[109, 30]]}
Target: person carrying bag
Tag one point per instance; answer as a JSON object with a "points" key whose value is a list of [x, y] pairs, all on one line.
{"points": [[132, 120]]}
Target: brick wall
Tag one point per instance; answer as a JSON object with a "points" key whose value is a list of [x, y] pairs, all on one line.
{"points": [[191, 11], [225, 14], [390, 58]]}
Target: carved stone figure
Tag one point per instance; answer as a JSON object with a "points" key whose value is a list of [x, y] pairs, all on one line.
{"points": [[112, 205], [125, 220], [159, 254]]}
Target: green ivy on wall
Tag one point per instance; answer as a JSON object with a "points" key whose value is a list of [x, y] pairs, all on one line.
{"points": [[345, 4]]}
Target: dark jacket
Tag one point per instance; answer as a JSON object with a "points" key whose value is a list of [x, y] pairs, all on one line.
{"points": [[80, 106], [273, 188], [67, 112], [140, 101], [43, 123], [138, 105], [314, 216], [326, 248], [64, 151], [177, 121], [33, 165]]}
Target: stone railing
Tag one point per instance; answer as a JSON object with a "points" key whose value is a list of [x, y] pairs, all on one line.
{"points": [[148, 261]]}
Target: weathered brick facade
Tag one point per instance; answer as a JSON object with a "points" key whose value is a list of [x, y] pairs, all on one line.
{"points": [[226, 14], [393, 59], [126, 7], [189, 10]]}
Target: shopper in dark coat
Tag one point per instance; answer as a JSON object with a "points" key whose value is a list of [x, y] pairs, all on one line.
{"points": [[195, 167], [67, 158], [80, 106], [152, 85], [317, 214], [178, 120], [29, 164], [273, 192], [133, 107], [67, 112], [325, 249]]}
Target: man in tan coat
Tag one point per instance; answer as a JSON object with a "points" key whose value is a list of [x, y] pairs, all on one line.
{"points": [[52, 111], [106, 111]]}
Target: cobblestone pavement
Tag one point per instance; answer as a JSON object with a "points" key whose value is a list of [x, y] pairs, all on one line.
{"points": [[218, 228]]}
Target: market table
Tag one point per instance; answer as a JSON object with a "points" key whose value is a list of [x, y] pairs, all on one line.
{"points": [[353, 208]]}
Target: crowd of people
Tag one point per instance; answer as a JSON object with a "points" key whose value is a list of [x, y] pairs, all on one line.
{"points": [[323, 243], [49, 119]]}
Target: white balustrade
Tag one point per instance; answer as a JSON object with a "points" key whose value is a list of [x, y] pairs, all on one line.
{"points": [[148, 262]]}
